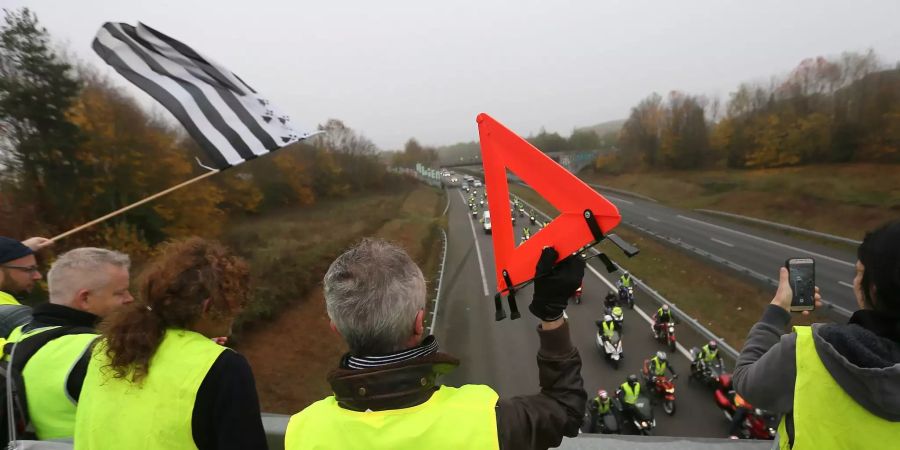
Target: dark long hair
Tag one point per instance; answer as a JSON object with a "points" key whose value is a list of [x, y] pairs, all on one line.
{"points": [[171, 294], [880, 255]]}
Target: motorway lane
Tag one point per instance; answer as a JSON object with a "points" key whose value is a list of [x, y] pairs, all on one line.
{"points": [[502, 354], [754, 249]]}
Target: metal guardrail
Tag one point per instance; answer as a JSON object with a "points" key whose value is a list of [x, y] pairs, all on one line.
{"points": [[437, 297], [692, 322], [782, 226], [622, 191]]}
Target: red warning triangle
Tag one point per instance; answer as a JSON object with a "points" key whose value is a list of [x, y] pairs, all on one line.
{"points": [[501, 149]]}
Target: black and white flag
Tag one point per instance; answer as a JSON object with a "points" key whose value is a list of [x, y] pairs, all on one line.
{"points": [[231, 121]]}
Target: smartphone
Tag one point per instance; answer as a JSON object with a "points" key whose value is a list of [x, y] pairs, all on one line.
{"points": [[802, 275]]}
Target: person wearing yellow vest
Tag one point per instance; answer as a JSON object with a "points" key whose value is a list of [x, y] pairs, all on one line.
{"points": [[86, 284], [18, 267], [836, 385], [156, 379], [386, 393]]}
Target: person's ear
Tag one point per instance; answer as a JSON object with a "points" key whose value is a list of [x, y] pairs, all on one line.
{"points": [[81, 299], [205, 306], [419, 327]]}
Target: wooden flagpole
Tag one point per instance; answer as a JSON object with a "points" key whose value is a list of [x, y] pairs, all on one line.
{"points": [[135, 205]]}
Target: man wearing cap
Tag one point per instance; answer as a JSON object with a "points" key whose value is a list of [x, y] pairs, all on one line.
{"points": [[18, 268]]}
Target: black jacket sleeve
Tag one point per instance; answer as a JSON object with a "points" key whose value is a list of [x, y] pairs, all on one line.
{"points": [[766, 369], [226, 412], [541, 420]]}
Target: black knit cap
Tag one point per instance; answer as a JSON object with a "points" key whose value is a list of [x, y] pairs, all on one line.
{"points": [[11, 249], [880, 254]]}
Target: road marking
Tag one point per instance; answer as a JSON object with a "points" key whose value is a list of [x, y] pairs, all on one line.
{"points": [[641, 312], [653, 218], [844, 283], [721, 242], [448, 203], [769, 241], [477, 250], [617, 199]]}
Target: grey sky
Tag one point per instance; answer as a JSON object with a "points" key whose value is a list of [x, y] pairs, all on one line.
{"points": [[398, 69]]}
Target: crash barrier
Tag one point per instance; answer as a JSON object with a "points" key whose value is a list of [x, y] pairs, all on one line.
{"points": [[692, 322], [782, 226], [622, 191], [437, 294]]}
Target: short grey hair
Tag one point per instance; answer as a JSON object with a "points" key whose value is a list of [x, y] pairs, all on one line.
{"points": [[373, 292], [82, 268]]}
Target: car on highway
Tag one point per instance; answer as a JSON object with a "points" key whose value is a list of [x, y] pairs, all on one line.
{"points": [[486, 222], [477, 183]]}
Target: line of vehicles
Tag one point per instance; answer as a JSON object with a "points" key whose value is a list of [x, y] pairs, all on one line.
{"points": [[632, 411]]}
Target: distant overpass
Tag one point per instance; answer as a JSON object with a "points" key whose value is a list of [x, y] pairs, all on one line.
{"points": [[574, 161]]}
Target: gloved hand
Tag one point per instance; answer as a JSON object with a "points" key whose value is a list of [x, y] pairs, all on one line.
{"points": [[553, 286]]}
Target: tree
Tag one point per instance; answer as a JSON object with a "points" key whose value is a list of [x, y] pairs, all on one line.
{"points": [[549, 142]]}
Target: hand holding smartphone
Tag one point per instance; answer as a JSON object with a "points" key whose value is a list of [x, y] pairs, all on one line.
{"points": [[802, 276]]}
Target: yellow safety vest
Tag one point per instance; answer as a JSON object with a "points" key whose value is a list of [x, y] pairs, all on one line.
{"points": [[155, 413], [659, 367], [51, 410], [825, 416], [631, 396], [608, 329], [453, 418], [602, 407], [7, 299]]}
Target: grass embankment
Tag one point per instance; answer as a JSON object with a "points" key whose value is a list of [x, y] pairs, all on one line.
{"points": [[289, 342], [724, 302], [841, 199]]}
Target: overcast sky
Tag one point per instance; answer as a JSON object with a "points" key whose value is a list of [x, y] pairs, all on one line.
{"points": [[400, 69]]}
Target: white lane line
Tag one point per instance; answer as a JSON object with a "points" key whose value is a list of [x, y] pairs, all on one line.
{"points": [[844, 283], [617, 199], [721, 242], [653, 218], [807, 252], [477, 249], [446, 208], [641, 312]]}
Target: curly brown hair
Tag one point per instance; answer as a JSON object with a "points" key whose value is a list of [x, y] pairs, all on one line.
{"points": [[171, 294]]}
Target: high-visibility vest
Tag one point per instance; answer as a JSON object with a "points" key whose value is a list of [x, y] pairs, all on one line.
{"points": [[154, 413], [608, 329], [46, 375], [452, 418], [626, 281], [631, 396], [825, 416], [602, 407], [659, 367], [7, 299], [709, 355]]}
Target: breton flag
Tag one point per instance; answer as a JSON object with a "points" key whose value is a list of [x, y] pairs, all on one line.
{"points": [[232, 122]]}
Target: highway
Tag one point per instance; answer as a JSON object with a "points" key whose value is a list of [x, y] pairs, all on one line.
{"points": [[753, 252], [502, 354]]}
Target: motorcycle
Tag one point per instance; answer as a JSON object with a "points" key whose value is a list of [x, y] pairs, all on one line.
{"points": [[640, 414], [663, 388], [667, 335], [611, 348], [707, 373], [532, 218], [626, 296], [758, 424], [474, 212]]}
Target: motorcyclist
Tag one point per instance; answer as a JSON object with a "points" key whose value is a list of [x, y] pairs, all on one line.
{"points": [[611, 299], [600, 406], [708, 354], [657, 366], [741, 407], [625, 280], [663, 316], [526, 234], [607, 327], [628, 392]]}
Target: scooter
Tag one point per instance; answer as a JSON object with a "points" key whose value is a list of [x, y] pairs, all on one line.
{"points": [[611, 348], [626, 296], [618, 316]]}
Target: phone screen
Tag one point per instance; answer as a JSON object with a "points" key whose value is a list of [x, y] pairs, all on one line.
{"points": [[802, 272]]}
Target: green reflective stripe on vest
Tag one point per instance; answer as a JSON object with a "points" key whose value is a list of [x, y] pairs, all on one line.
{"points": [[453, 418], [7, 299], [50, 408], [631, 396], [825, 417], [155, 413]]}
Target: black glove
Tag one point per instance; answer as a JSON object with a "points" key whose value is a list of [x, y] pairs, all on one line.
{"points": [[553, 286]]}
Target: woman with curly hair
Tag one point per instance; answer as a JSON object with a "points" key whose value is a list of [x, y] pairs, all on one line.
{"points": [[157, 380]]}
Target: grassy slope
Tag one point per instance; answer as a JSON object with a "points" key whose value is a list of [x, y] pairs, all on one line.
{"points": [[723, 301], [292, 352], [845, 200]]}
